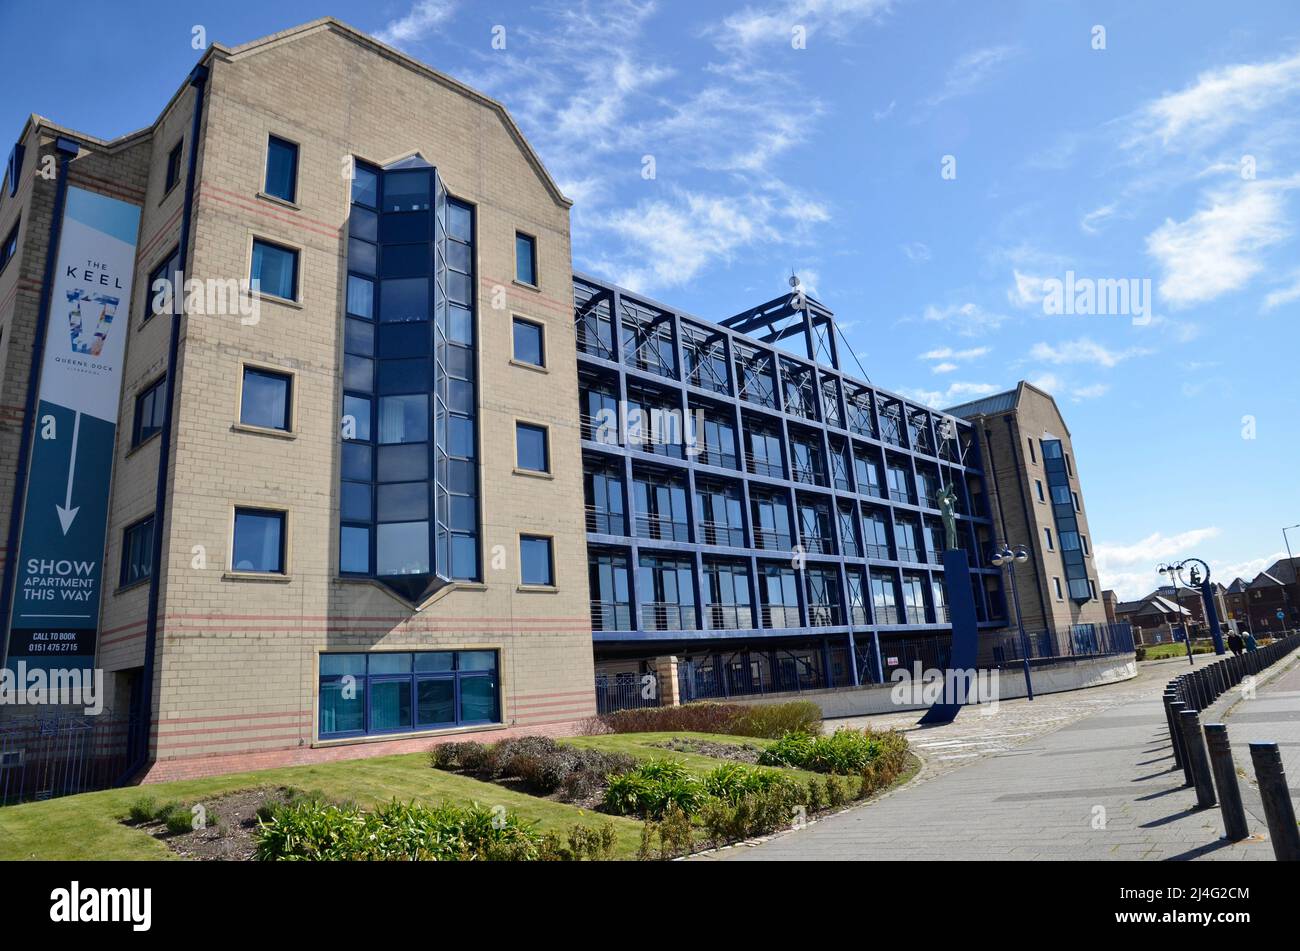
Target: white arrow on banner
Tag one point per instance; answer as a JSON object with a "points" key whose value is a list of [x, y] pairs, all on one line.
{"points": [[66, 512]]}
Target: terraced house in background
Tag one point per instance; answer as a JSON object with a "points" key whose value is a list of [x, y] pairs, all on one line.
{"points": [[428, 481]]}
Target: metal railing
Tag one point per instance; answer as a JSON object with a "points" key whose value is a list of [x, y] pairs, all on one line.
{"points": [[61, 755], [717, 533], [602, 522], [625, 693], [877, 551], [710, 455], [666, 616], [809, 475], [915, 614], [1080, 642], [769, 540], [779, 616], [729, 617], [600, 430], [661, 529], [611, 616], [817, 544], [824, 615], [773, 470]]}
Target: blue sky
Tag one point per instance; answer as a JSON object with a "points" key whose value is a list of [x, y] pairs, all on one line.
{"points": [[1170, 155]]}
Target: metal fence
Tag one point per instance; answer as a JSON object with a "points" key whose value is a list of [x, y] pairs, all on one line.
{"points": [[1080, 642], [51, 756], [625, 692]]}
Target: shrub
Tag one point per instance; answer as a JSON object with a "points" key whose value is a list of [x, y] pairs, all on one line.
{"points": [[593, 843], [652, 787], [845, 752], [757, 813], [314, 831], [180, 821], [142, 809], [469, 756], [762, 720], [733, 781]]}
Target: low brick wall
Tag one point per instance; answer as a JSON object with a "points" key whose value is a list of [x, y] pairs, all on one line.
{"points": [[1048, 678]]}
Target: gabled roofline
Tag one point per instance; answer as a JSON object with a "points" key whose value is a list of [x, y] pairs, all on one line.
{"points": [[228, 53]]}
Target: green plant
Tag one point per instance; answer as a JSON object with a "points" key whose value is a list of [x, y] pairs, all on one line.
{"points": [[845, 752], [650, 788], [142, 809], [675, 834], [734, 781], [769, 720], [180, 821], [593, 843]]}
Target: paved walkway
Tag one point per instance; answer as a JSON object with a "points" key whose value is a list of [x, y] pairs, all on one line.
{"points": [[1081, 775]]}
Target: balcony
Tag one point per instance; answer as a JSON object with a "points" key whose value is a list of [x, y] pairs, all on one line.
{"points": [[900, 495], [824, 615], [817, 544], [611, 616], [776, 616], [810, 475], [717, 533], [909, 554], [601, 522], [770, 540], [729, 617], [859, 616], [879, 552], [666, 616], [763, 467], [661, 528], [708, 454], [915, 614], [600, 429]]}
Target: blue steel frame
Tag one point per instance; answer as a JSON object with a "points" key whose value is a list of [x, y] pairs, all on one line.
{"points": [[916, 444]]}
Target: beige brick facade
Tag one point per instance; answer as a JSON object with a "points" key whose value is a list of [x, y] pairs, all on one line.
{"points": [[237, 656]]}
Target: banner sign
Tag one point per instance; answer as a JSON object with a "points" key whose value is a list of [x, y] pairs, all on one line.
{"points": [[60, 577]]}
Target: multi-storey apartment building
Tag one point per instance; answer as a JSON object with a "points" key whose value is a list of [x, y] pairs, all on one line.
{"points": [[758, 519], [1036, 501], [344, 512]]}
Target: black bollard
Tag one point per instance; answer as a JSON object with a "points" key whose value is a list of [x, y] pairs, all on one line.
{"points": [[1225, 781], [1178, 708], [1171, 724], [1196, 755], [1278, 810]]}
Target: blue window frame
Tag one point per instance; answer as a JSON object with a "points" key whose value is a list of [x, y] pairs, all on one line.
{"points": [[10, 248], [266, 399], [530, 448], [383, 693], [259, 541], [159, 287], [149, 409], [281, 169], [525, 259], [275, 269], [536, 564], [173, 167], [529, 344], [137, 552]]}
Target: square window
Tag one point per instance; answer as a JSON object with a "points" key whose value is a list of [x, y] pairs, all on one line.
{"points": [[529, 343], [259, 541], [275, 270], [357, 461], [356, 420], [354, 502], [404, 419], [402, 548], [530, 448], [149, 408], [404, 299], [358, 373], [525, 259], [536, 566], [137, 552], [266, 399], [281, 169], [460, 221], [173, 167]]}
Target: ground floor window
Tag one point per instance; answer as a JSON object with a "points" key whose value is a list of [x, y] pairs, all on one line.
{"points": [[389, 692]]}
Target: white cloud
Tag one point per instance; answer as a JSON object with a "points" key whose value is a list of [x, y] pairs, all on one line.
{"points": [[954, 394], [1225, 574], [1221, 99], [1026, 289], [916, 251], [424, 18], [774, 23], [1090, 392], [943, 368], [970, 71], [967, 319], [1216, 250], [1131, 569], [1283, 295], [1091, 222], [1083, 350], [948, 353]]}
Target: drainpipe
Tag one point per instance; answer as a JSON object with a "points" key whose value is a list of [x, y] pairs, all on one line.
{"points": [[67, 150], [140, 738]]}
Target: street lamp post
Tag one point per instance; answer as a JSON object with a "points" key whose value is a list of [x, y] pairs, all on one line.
{"points": [[1286, 593], [1202, 581], [1187, 628], [1004, 557]]}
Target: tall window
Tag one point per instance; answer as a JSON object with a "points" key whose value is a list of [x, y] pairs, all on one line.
{"points": [[10, 247], [409, 473], [275, 269], [137, 552], [385, 692], [265, 400], [883, 600], [525, 259], [529, 345], [259, 541], [281, 169], [778, 589], [160, 289], [1047, 534], [535, 558], [173, 174], [149, 409], [530, 448]]}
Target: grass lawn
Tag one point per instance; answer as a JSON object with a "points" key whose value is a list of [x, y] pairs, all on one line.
{"points": [[1165, 651], [88, 826]]}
